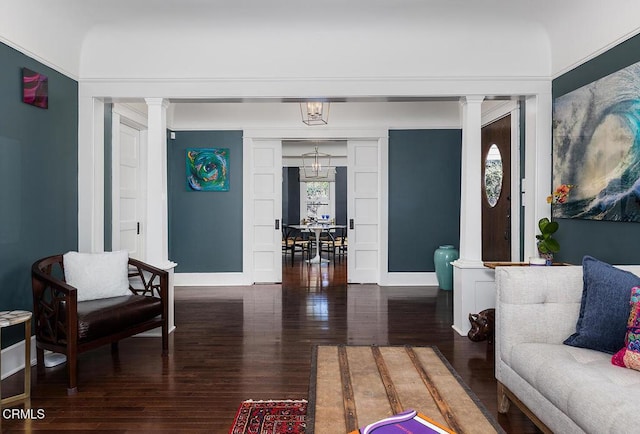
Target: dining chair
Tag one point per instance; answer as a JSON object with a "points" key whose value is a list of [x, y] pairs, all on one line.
{"points": [[328, 244], [341, 242], [294, 241]]}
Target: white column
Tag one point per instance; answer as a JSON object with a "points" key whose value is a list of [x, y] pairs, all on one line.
{"points": [[157, 227], [156, 234], [537, 183], [90, 174], [470, 195], [473, 287]]}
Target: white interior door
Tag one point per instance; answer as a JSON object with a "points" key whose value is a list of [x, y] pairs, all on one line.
{"points": [[363, 215], [266, 201], [127, 191]]}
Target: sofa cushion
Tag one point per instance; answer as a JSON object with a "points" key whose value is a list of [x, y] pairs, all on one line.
{"points": [[604, 308], [581, 383], [98, 318], [97, 275]]}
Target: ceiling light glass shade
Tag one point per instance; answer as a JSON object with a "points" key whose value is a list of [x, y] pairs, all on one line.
{"points": [[314, 112], [316, 165]]}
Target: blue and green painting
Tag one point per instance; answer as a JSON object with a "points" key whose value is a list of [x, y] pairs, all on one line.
{"points": [[208, 169]]}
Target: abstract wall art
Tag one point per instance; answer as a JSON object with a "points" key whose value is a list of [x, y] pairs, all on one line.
{"points": [[596, 148], [35, 88], [207, 169]]}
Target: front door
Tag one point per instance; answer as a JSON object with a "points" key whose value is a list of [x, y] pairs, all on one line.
{"points": [[496, 190]]}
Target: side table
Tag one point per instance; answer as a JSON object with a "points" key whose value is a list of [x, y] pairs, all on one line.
{"points": [[9, 318]]}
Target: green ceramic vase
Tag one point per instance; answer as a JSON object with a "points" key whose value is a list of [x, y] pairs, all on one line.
{"points": [[442, 258]]}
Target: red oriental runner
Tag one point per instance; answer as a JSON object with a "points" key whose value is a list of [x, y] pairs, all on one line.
{"points": [[270, 417]]}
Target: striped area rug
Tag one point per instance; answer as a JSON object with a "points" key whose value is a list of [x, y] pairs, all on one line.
{"points": [[353, 386]]}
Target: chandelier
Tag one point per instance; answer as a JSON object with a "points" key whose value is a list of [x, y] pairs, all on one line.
{"points": [[314, 112], [317, 165]]}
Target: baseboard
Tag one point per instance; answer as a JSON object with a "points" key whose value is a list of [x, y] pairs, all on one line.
{"points": [[460, 332], [13, 358], [154, 333], [241, 279], [210, 279], [409, 279]]}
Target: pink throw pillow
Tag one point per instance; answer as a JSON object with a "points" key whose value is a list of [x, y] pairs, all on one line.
{"points": [[629, 356]]}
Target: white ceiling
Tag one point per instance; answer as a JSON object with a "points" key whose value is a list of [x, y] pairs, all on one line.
{"points": [[57, 32]]}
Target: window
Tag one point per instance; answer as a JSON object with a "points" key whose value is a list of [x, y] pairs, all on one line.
{"points": [[493, 175], [317, 200]]}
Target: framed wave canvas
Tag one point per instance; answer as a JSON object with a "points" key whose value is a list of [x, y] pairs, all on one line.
{"points": [[207, 169], [596, 148]]}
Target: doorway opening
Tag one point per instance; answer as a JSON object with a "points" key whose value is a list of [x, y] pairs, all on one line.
{"points": [[307, 201]]}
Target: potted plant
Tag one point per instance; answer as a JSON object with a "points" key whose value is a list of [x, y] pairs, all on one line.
{"points": [[547, 245]]}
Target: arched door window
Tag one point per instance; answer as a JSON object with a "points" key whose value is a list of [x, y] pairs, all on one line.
{"points": [[493, 174]]}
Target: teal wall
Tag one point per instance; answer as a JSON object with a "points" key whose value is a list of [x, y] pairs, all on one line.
{"points": [[424, 196], [205, 228], [38, 179], [614, 242]]}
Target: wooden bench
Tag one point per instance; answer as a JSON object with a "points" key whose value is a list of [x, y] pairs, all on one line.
{"points": [[64, 325]]}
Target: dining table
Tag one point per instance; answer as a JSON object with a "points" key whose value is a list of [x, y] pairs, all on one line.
{"points": [[317, 229]]}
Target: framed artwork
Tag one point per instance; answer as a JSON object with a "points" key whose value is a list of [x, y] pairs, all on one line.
{"points": [[207, 169], [596, 148], [35, 88]]}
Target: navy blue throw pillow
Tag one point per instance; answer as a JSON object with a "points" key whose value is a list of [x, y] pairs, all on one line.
{"points": [[604, 311]]}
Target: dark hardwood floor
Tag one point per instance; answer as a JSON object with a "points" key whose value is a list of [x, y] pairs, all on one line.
{"points": [[238, 343]]}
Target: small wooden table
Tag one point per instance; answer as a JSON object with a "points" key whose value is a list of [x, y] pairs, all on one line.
{"points": [[14, 317]]}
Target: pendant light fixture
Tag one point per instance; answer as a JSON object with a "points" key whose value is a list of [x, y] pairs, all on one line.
{"points": [[314, 112]]}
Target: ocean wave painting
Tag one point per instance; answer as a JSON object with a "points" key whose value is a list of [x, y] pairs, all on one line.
{"points": [[596, 148], [208, 169]]}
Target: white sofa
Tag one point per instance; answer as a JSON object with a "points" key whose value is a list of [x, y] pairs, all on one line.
{"points": [[563, 389]]}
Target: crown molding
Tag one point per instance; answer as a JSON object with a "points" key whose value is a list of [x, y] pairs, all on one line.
{"points": [[40, 59]]}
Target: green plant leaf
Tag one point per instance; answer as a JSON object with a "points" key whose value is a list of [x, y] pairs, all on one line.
{"points": [[550, 228], [542, 223], [552, 245]]}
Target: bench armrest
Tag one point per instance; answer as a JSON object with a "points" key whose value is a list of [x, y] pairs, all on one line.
{"points": [[145, 279], [55, 304]]}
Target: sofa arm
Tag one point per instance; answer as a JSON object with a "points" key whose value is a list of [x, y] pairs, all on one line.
{"points": [[536, 304]]}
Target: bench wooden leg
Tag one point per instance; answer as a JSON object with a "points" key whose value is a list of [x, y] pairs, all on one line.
{"points": [[165, 339], [40, 362], [503, 399], [72, 371]]}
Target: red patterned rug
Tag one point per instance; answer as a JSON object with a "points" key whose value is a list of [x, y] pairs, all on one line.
{"points": [[270, 417]]}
